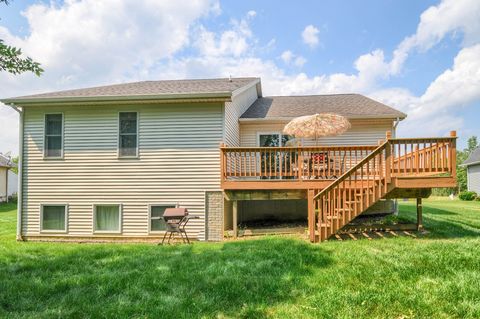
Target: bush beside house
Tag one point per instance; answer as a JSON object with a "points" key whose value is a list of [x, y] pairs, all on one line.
{"points": [[468, 195]]}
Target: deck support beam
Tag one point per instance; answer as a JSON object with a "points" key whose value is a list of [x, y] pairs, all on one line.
{"points": [[419, 214], [311, 215], [235, 218]]}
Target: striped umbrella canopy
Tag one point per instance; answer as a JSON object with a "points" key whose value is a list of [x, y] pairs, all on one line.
{"points": [[317, 125]]}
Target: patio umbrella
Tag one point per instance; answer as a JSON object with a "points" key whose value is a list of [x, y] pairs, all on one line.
{"points": [[317, 125]]}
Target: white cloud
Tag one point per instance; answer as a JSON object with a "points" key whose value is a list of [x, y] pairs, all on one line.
{"points": [[232, 42], [8, 130], [89, 43], [310, 36], [449, 17], [288, 57], [300, 61]]}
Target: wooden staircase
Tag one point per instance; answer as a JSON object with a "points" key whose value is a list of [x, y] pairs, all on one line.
{"points": [[373, 178], [339, 182]]}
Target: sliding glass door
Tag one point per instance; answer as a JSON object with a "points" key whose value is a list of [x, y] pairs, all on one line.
{"points": [[273, 161]]}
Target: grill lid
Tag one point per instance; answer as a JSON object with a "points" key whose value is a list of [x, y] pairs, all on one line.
{"points": [[175, 212]]}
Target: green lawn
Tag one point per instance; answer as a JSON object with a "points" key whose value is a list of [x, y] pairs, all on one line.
{"points": [[436, 276]]}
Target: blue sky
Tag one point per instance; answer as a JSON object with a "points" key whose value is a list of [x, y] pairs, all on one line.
{"points": [[422, 57]]}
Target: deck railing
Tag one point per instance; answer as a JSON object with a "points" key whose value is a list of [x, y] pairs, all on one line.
{"points": [[290, 163], [409, 156], [423, 156]]}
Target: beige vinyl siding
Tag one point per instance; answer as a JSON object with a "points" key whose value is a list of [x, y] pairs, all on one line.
{"points": [[473, 178], [178, 161], [233, 110], [362, 132]]}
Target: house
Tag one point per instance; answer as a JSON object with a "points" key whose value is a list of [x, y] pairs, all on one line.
{"points": [[103, 163], [8, 179], [472, 164]]}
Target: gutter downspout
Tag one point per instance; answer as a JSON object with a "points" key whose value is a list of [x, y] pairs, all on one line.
{"points": [[394, 133], [20, 172]]}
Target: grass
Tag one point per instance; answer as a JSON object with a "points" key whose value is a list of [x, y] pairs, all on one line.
{"points": [[435, 276]]}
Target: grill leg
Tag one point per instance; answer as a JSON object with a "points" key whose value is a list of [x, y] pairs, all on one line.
{"points": [[183, 238], [170, 237], [186, 236], [164, 236]]}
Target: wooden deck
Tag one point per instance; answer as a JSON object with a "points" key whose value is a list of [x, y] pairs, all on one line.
{"points": [[341, 182]]}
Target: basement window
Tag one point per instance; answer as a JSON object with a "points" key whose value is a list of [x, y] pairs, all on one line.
{"points": [[53, 218], [157, 224], [107, 218]]}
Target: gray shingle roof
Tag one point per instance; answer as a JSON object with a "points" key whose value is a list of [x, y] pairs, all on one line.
{"points": [[5, 162], [348, 105], [474, 157], [153, 88]]}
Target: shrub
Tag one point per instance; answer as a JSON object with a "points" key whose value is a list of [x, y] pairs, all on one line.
{"points": [[467, 195], [477, 198]]}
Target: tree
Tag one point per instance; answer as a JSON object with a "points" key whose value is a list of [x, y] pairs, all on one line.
{"points": [[15, 167], [11, 59]]}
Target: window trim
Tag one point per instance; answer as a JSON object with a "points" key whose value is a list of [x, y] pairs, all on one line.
{"points": [[150, 231], [119, 135], [45, 136], [120, 219], [53, 231]]}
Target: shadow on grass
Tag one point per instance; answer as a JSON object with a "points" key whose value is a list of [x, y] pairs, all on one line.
{"points": [[7, 207], [443, 224], [234, 279]]}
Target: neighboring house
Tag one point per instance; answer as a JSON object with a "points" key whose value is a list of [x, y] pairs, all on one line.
{"points": [[472, 165], [12, 188], [103, 163], [6, 182]]}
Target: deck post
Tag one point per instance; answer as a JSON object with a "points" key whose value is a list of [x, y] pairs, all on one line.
{"points": [[453, 154], [419, 214], [235, 218], [311, 215], [388, 163], [300, 165]]}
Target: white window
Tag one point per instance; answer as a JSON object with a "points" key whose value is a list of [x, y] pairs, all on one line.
{"points": [[53, 136], [273, 139], [128, 134], [107, 218], [157, 224], [53, 218]]}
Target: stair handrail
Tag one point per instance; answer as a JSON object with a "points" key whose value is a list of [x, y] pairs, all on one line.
{"points": [[343, 177]]}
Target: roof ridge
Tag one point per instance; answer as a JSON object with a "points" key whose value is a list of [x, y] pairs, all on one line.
{"points": [[307, 95]]}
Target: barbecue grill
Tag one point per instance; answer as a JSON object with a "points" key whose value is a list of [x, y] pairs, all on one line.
{"points": [[176, 219]]}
